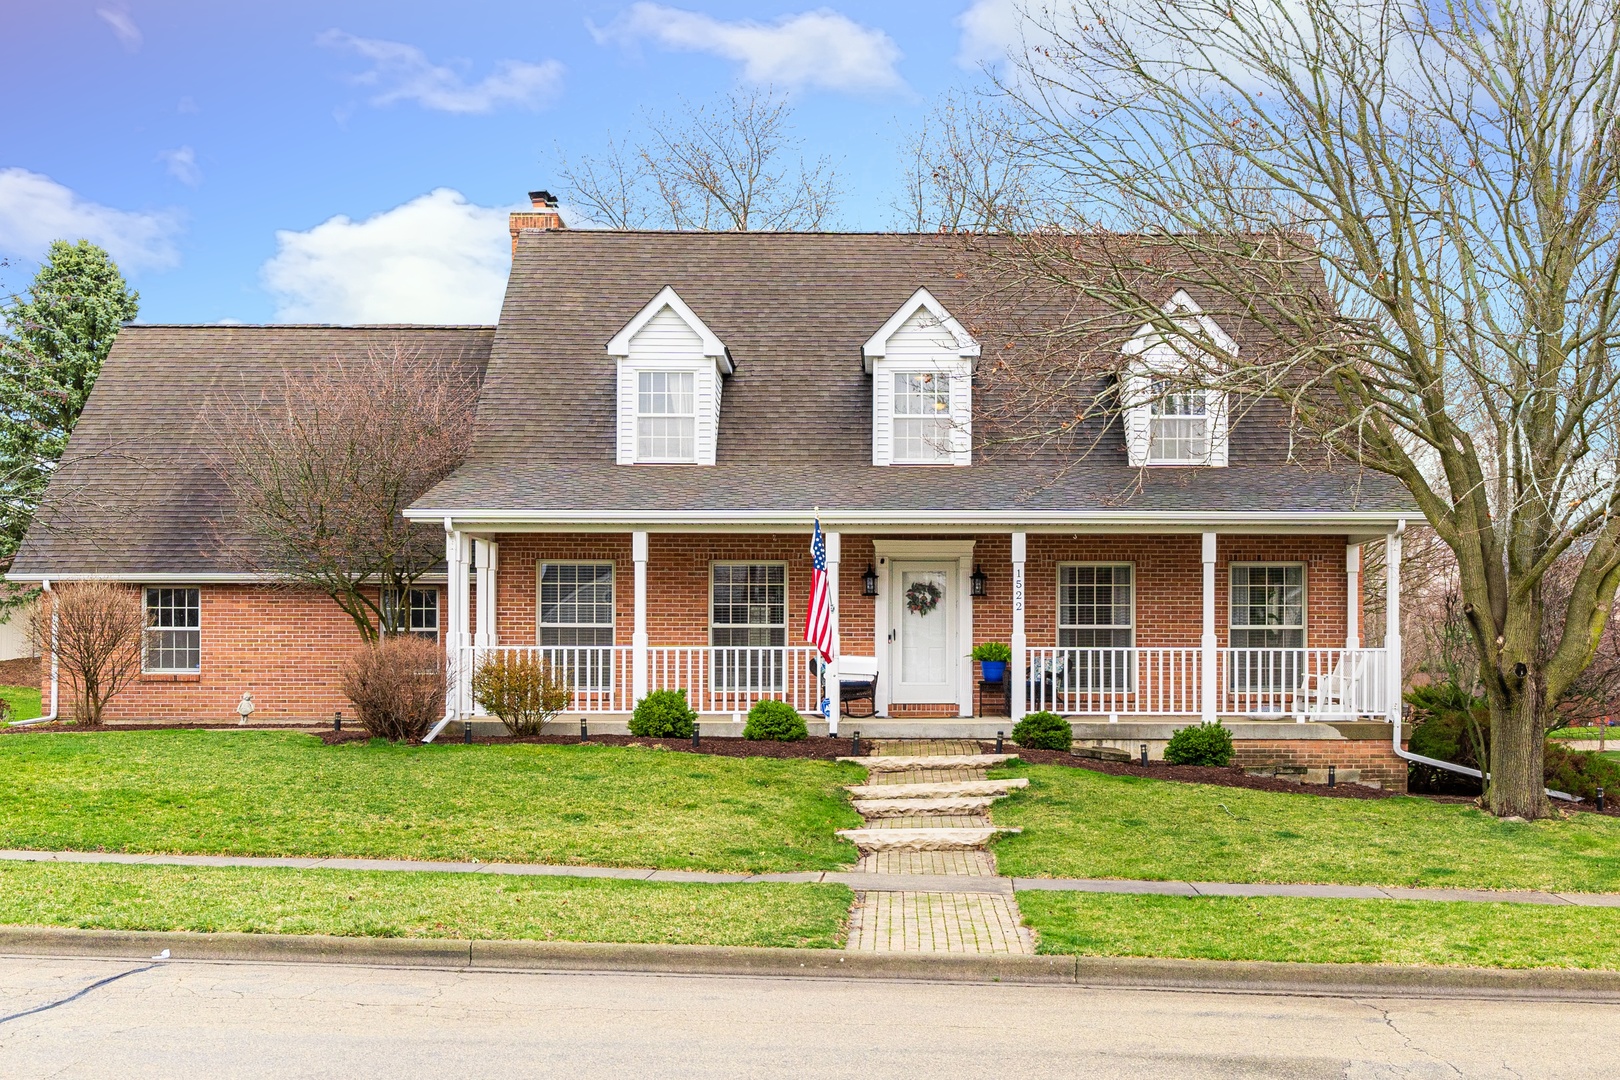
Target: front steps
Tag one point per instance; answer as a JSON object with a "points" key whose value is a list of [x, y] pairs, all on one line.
{"points": [[949, 811]]}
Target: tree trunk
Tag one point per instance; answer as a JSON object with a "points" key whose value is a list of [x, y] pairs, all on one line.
{"points": [[1517, 787]]}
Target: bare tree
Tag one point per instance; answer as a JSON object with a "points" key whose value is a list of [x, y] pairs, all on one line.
{"points": [[732, 165], [94, 630], [1417, 205], [964, 171], [320, 473]]}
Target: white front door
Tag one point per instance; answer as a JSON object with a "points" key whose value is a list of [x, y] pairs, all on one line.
{"points": [[923, 648]]}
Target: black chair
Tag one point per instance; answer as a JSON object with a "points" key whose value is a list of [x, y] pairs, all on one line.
{"points": [[857, 681]]}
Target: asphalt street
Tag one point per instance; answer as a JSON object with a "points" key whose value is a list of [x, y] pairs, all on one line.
{"points": [[64, 1018]]}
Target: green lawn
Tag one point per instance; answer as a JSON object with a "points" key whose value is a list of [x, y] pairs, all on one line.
{"points": [[431, 905], [1080, 823], [23, 700], [273, 793], [1323, 931]]}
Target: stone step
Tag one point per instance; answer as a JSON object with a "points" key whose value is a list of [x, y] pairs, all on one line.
{"points": [[960, 788], [922, 839], [953, 804], [941, 761]]}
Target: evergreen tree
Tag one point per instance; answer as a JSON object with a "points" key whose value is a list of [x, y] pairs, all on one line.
{"points": [[55, 341]]}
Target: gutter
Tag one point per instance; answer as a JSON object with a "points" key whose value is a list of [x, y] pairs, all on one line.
{"points": [[1057, 519], [55, 674]]}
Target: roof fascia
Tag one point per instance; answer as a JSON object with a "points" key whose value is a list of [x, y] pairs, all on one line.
{"points": [[877, 345], [713, 348], [1180, 306]]}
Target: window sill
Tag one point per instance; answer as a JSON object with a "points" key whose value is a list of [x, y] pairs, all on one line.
{"points": [[171, 676]]}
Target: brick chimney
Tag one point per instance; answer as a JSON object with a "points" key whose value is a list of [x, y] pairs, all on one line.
{"points": [[543, 216]]}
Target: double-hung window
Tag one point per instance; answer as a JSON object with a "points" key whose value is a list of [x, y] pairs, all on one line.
{"points": [[172, 641], [418, 613], [748, 625], [1096, 624], [576, 621], [922, 417], [666, 417], [1178, 425], [1267, 622]]}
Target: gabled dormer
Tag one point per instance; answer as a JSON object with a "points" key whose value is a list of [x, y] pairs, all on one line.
{"points": [[670, 370], [921, 363], [1173, 413]]}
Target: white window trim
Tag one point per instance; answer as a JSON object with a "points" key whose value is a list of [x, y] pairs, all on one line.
{"points": [[958, 373], [787, 602], [438, 610], [640, 416], [539, 603], [146, 630], [1058, 624], [1151, 356], [1304, 598], [708, 364]]}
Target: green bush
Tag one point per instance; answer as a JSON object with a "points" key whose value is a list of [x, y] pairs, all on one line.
{"points": [[1449, 724], [1043, 731], [992, 650], [775, 720], [1580, 772], [663, 714], [1201, 744]]}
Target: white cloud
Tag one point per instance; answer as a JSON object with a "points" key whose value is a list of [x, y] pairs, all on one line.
{"points": [[401, 72], [123, 27], [435, 259], [996, 31], [182, 165], [34, 210], [820, 48]]}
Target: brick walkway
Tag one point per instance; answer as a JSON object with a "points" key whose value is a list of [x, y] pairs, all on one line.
{"points": [[955, 922]]}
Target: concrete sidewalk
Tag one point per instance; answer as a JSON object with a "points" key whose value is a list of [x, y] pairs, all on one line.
{"points": [[860, 882]]}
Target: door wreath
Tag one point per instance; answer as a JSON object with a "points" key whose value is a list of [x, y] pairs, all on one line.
{"points": [[923, 597]]}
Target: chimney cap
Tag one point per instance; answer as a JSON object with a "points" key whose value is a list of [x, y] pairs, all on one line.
{"points": [[543, 199]]}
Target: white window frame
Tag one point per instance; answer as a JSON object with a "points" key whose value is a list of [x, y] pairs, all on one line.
{"points": [[1089, 667], [390, 604], [937, 345], [643, 416], [148, 629], [1152, 361], [1268, 669], [751, 670], [942, 452], [1304, 602], [590, 667], [1166, 391]]}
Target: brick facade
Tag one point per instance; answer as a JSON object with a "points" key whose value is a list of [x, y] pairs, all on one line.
{"points": [[1375, 758], [288, 648]]}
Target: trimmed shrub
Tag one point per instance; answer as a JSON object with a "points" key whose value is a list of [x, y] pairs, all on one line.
{"points": [[775, 720], [1580, 772], [663, 714], [398, 687], [523, 690], [1201, 744], [1043, 731], [993, 651]]}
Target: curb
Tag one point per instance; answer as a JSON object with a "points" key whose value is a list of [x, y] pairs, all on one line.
{"points": [[1230, 976]]}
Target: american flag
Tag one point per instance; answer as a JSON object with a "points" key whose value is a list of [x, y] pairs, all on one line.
{"points": [[818, 618]]}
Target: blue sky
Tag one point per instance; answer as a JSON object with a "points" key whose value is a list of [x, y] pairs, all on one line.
{"points": [[353, 160]]}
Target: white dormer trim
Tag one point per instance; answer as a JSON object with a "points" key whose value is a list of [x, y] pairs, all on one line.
{"points": [[962, 343], [1151, 353], [713, 347], [666, 336]]}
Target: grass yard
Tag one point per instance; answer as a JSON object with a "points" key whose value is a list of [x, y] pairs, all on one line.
{"points": [[1324, 931], [275, 793], [23, 701], [429, 905], [1079, 823]]}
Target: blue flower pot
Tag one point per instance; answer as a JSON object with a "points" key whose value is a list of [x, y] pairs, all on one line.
{"points": [[994, 670]]}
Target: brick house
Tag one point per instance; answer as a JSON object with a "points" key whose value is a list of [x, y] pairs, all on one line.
{"points": [[662, 417]]}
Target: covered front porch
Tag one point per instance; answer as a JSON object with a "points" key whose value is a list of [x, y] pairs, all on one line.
{"points": [[1106, 627]]}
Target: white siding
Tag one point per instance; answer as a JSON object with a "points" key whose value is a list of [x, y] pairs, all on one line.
{"points": [[666, 337], [922, 335]]}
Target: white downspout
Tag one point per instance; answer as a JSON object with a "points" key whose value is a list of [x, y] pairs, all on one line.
{"points": [[45, 586]]}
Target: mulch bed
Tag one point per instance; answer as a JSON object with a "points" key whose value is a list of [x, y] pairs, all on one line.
{"points": [[1200, 774], [822, 748]]}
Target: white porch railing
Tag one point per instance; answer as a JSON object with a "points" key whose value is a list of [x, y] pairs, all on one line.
{"points": [[1168, 682], [1114, 682], [716, 679], [1302, 682], [730, 679]]}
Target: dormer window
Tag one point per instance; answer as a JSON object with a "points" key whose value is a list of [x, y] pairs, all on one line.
{"points": [[666, 417], [921, 363], [1172, 413], [670, 370]]}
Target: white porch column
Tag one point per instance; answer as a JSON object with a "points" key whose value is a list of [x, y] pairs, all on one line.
{"points": [[1018, 675], [638, 640], [455, 616], [834, 691], [458, 638], [484, 556], [1352, 594], [1392, 622], [964, 639], [1208, 678]]}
